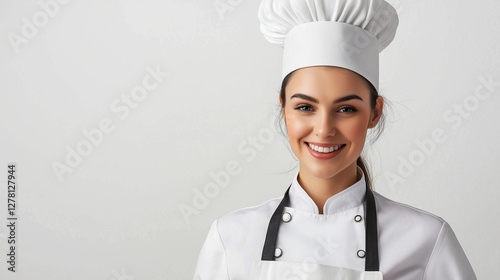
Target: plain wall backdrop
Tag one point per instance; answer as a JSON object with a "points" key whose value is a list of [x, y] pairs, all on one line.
{"points": [[122, 118]]}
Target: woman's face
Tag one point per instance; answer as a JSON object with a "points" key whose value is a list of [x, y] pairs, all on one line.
{"points": [[328, 105]]}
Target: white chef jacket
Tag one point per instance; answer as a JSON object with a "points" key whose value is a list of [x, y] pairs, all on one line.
{"points": [[413, 244]]}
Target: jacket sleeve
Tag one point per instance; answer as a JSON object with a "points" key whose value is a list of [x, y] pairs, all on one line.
{"points": [[212, 261], [448, 260]]}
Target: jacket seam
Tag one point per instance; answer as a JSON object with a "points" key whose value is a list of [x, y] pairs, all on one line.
{"points": [[223, 247], [434, 249]]}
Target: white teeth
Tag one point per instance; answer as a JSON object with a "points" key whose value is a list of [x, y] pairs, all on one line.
{"points": [[323, 149]]}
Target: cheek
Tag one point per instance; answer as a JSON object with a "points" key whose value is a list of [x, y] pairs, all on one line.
{"points": [[297, 127], [355, 129]]}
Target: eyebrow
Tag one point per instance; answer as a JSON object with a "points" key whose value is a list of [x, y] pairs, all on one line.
{"points": [[314, 100]]}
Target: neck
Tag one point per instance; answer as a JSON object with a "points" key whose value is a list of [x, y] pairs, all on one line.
{"points": [[320, 189]]}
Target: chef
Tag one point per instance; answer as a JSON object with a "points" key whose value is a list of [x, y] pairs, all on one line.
{"points": [[330, 224]]}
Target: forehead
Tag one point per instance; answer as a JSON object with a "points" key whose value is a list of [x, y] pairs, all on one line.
{"points": [[326, 79]]}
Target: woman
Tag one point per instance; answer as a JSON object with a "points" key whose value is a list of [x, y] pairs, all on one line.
{"points": [[329, 224]]}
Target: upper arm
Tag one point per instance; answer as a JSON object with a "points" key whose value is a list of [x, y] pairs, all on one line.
{"points": [[448, 260], [212, 262]]}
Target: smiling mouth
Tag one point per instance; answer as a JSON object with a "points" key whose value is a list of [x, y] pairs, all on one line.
{"points": [[325, 150]]}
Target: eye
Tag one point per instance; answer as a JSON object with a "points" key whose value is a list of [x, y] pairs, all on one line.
{"points": [[352, 109], [302, 106]]}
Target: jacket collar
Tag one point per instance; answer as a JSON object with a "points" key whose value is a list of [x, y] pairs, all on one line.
{"points": [[349, 198]]}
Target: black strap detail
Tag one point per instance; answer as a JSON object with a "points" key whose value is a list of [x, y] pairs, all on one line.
{"points": [[371, 235], [371, 232], [272, 229]]}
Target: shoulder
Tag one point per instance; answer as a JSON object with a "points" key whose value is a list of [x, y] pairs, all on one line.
{"points": [[245, 228], [404, 222], [249, 216], [427, 239], [412, 233], [395, 210]]}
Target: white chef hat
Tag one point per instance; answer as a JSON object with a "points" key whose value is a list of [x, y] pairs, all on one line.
{"points": [[343, 33]]}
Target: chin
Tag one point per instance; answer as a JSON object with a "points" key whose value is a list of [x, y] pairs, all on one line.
{"points": [[324, 172]]}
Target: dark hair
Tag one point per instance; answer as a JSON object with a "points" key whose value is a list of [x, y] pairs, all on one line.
{"points": [[377, 130]]}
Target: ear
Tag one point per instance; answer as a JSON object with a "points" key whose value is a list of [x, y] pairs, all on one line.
{"points": [[377, 112]]}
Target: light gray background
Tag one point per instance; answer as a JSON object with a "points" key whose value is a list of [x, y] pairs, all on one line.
{"points": [[116, 215]]}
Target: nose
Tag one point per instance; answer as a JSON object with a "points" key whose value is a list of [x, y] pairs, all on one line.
{"points": [[325, 124]]}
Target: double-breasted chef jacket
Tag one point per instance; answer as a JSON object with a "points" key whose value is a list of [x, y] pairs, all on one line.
{"points": [[412, 244]]}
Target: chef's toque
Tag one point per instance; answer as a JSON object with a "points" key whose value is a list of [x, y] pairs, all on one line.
{"points": [[343, 33]]}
